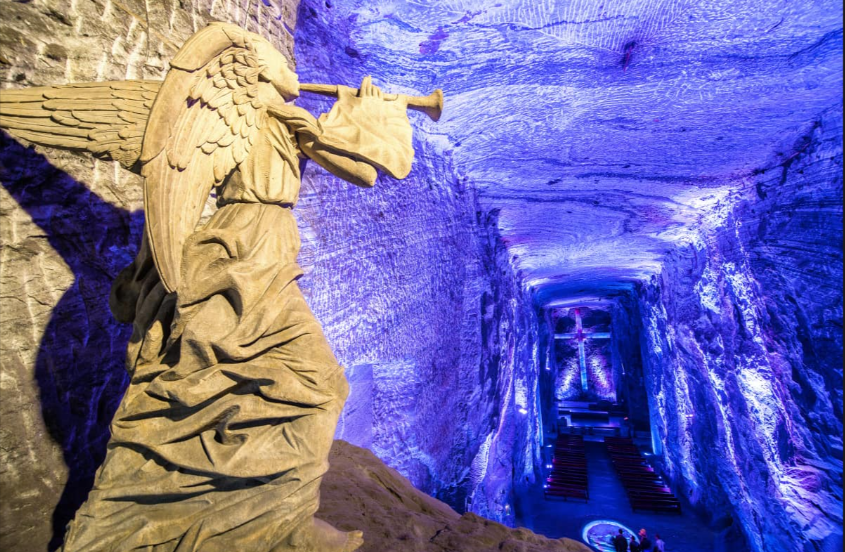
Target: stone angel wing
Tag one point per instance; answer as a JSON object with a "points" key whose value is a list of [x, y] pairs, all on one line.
{"points": [[201, 128], [106, 119]]}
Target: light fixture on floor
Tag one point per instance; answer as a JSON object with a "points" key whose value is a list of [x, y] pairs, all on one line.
{"points": [[599, 534]]}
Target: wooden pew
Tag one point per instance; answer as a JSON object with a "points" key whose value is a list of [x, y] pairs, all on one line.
{"points": [[568, 476], [644, 487], [565, 492], [657, 505]]}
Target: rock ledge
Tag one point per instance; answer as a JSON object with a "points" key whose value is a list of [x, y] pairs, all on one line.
{"points": [[361, 492]]}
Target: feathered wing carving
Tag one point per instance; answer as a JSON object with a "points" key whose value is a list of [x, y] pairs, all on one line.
{"points": [[107, 119], [203, 124], [184, 135]]}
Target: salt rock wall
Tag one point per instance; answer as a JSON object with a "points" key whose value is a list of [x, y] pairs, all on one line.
{"points": [[412, 284], [625, 344], [69, 225], [417, 297], [742, 346]]}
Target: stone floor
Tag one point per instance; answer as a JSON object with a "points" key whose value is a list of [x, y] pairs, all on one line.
{"points": [[557, 518]]}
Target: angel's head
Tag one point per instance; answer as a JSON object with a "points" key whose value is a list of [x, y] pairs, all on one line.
{"points": [[276, 70]]}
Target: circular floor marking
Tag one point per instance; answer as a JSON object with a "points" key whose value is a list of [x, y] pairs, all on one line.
{"points": [[599, 534]]}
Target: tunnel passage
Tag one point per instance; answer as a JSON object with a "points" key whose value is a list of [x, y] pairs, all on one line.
{"points": [[676, 164]]}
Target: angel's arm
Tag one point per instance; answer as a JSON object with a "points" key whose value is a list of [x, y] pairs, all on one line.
{"points": [[362, 134], [347, 168], [308, 130], [343, 166]]}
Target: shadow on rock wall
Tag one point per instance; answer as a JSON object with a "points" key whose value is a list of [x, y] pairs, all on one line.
{"points": [[79, 368]]}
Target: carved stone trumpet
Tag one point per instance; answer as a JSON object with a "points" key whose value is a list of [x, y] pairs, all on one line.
{"points": [[431, 105]]}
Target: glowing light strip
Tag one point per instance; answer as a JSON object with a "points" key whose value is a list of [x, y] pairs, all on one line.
{"points": [[582, 356], [582, 362]]}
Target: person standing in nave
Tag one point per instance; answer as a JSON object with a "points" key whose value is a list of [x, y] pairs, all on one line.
{"points": [[645, 543], [659, 545], [619, 542], [627, 428]]}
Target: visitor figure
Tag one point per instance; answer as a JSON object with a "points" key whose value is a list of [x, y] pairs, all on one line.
{"points": [[645, 543], [619, 542], [659, 545], [222, 438], [627, 428], [634, 546]]}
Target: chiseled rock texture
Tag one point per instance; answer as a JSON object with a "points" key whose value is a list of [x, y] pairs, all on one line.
{"points": [[68, 225], [675, 161], [410, 280], [360, 492], [647, 155], [415, 291], [742, 345], [600, 130]]}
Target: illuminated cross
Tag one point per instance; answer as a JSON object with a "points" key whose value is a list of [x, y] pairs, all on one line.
{"points": [[580, 336]]}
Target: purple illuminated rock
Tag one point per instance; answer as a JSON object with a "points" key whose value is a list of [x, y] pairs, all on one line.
{"points": [[743, 353], [621, 147], [415, 291], [678, 162]]}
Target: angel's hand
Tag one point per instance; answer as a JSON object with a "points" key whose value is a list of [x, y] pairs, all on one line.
{"points": [[369, 90]]}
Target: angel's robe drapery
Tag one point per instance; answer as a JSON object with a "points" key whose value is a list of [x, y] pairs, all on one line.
{"points": [[222, 437], [225, 440]]}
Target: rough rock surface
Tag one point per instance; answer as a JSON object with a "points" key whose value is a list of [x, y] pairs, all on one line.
{"points": [[68, 225], [417, 297], [601, 130], [360, 492], [742, 345], [678, 161], [412, 284], [626, 147]]}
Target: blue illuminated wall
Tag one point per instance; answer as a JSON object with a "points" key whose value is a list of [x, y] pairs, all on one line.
{"points": [[600, 374], [686, 151], [742, 350], [417, 295]]}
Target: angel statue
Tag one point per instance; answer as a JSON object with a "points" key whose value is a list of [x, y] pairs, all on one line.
{"points": [[222, 438]]}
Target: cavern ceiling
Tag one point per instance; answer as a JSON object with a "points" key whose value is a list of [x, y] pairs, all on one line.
{"points": [[607, 131], [665, 175]]}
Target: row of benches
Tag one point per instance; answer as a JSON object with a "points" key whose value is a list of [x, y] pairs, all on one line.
{"points": [[645, 489], [589, 430], [568, 475]]}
